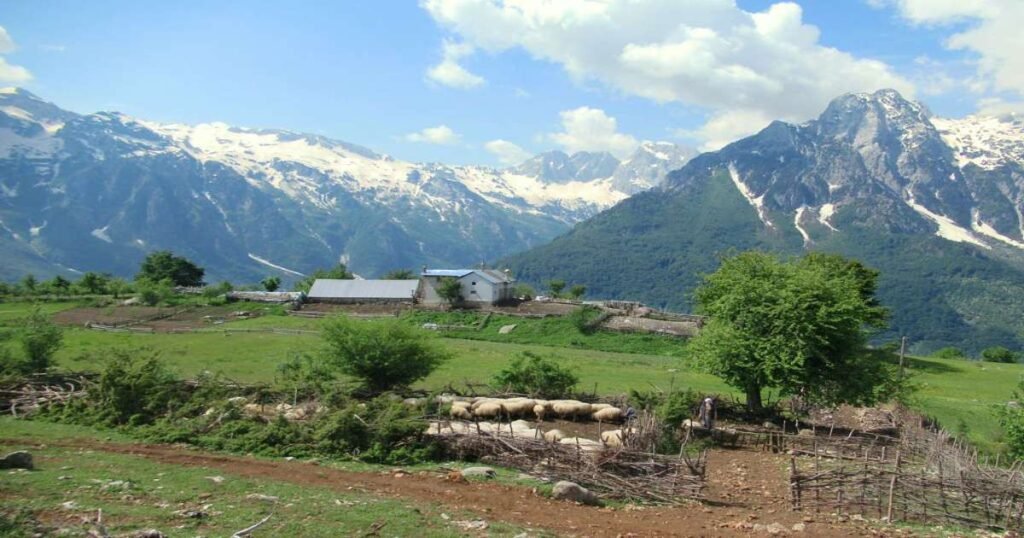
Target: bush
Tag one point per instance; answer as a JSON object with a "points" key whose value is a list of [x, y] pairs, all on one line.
{"points": [[135, 387], [536, 376], [379, 431], [671, 409], [584, 319], [1011, 418], [40, 339], [998, 354], [382, 355], [948, 353], [164, 265], [153, 292]]}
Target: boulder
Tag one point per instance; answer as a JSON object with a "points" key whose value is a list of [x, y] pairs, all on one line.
{"points": [[17, 460], [570, 491], [505, 329], [479, 472]]}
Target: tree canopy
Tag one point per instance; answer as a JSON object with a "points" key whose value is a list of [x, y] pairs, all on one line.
{"points": [[164, 265], [384, 354], [798, 326], [339, 272]]}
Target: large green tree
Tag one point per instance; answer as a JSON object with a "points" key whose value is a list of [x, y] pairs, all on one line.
{"points": [[798, 326], [165, 265]]}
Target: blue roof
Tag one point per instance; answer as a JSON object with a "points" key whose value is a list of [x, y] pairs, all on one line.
{"points": [[457, 273]]}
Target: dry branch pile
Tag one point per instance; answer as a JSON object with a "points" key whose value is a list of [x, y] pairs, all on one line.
{"points": [[28, 395]]}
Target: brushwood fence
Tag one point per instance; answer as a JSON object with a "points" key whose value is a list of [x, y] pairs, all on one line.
{"points": [[924, 475]]}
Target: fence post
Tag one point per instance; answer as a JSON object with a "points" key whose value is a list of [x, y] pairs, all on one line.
{"points": [[892, 486]]}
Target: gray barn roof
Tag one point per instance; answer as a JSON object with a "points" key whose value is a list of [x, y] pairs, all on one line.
{"points": [[325, 288]]}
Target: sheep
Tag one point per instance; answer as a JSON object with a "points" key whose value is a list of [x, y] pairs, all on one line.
{"points": [[612, 438], [517, 406], [461, 412], [564, 408], [586, 445], [553, 436], [540, 411], [477, 402], [599, 406], [488, 410], [607, 414]]}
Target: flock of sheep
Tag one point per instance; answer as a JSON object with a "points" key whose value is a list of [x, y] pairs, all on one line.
{"points": [[498, 408], [488, 409]]}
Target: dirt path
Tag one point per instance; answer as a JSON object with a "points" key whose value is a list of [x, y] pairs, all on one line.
{"points": [[745, 489]]}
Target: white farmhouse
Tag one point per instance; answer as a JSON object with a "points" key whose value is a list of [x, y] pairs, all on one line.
{"points": [[479, 286]]}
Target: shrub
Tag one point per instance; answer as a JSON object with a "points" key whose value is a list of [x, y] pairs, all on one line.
{"points": [[1011, 418], [382, 355], [998, 354], [584, 318], [40, 339], [135, 387], [577, 292], [154, 292], [450, 289], [164, 265], [532, 374], [271, 283], [948, 353], [379, 431]]}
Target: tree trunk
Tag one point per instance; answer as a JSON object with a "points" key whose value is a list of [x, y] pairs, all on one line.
{"points": [[754, 399]]}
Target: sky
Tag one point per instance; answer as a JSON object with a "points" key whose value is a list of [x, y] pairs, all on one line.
{"points": [[493, 81]]}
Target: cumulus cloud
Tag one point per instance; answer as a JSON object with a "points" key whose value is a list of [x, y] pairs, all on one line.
{"points": [[450, 72], [507, 152], [740, 65], [993, 33], [590, 129], [442, 134], [8, 72]]}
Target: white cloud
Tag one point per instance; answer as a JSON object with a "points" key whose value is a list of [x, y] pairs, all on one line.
{"points": [[710, 53], [993, 33], [590, 129], [442, 134], [8, 72], [507, 152], [450, 72]]}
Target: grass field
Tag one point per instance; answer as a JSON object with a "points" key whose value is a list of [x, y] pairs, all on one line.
{"points": [[135, 493], [960, 394]]}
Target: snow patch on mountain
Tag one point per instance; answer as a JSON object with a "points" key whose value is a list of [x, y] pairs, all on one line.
{"points": [[273, 265], [948, 229], [825, 213], [101, 234], [986, 229], [796, 222], [756, 201], [985, 141]]}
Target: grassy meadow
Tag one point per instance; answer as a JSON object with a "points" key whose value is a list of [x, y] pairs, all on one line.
{"points": [[960, 394]]}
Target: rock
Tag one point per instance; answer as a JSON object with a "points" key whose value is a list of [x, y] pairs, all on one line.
{"points": [[148, 533], [17, 460], [69, 505], [479, 472], [216, 479], [770, 426], [262, 497], [806, 433], [238, 400], [799, 527], [474, 525], [570, 491], [505, 329], [771, 528]]}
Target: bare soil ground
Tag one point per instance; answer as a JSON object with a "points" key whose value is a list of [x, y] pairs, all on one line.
{"points": [[143, 317], [747, 491], [356, 309]]}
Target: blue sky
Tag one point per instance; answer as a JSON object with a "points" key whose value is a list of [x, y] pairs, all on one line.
{"points": [[360, 71]]}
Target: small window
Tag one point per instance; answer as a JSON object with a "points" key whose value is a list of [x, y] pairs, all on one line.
{"points": [[474, 283]]}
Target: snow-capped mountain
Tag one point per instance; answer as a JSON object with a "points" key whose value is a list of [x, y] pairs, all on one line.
{"points": [[937, 205], [97, 191]]}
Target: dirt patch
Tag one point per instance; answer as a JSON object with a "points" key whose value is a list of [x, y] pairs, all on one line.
{"points": [[746, 489], [156, 319]]}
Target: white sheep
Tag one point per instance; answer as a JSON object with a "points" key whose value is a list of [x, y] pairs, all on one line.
{"points": [[553, 436], [586, 445], [515, 407], [461, 412], [565, 408], [540, 411], [607, 414], [599, 406], [612, 438], [488, 410]]}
